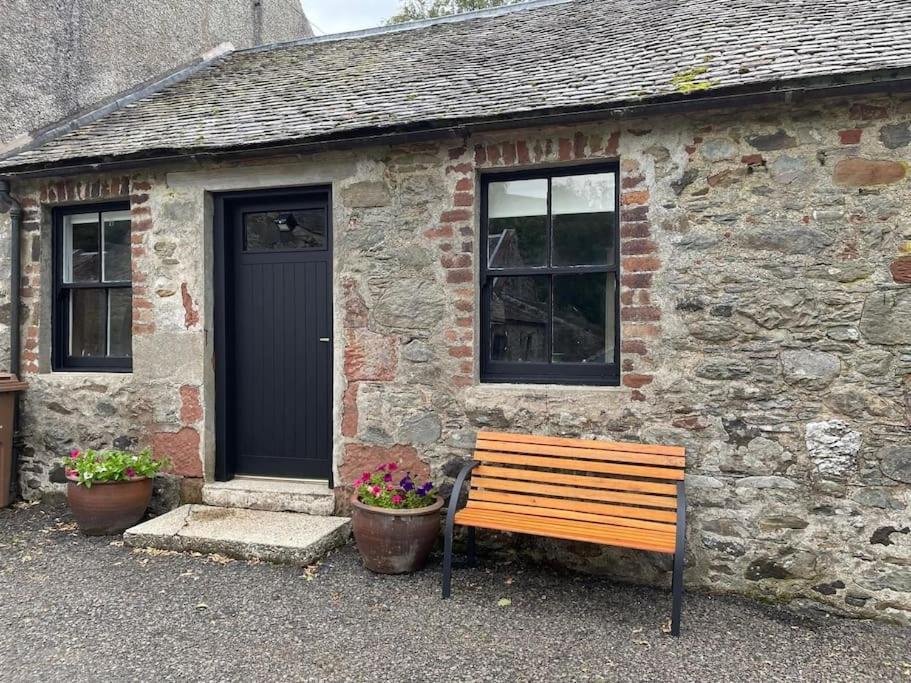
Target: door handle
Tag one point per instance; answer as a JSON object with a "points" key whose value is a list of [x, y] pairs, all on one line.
{"points": [[325, 340]]}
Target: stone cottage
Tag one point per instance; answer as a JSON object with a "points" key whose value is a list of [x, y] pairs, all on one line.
{"points": [[679, 222]]}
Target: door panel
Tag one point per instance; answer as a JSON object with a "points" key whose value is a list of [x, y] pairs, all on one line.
{"points": [[278, 320]]}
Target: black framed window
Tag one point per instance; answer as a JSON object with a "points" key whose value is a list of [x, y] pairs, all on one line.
{"points": [[549, 267], [93, 302]]}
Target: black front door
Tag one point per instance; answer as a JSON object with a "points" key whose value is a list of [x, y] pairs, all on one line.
{"points": [[274, 327]]}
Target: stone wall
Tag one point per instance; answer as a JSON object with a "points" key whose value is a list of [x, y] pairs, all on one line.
{"points": [[764, 304]]}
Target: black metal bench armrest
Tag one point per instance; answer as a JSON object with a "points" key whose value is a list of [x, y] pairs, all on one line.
{"points": [[456, 491]]}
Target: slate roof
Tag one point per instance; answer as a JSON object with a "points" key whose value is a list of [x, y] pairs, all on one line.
{"points": [[539, 57]]}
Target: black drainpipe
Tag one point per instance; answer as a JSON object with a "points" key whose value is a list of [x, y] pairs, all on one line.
{"points": [[9, 203]]}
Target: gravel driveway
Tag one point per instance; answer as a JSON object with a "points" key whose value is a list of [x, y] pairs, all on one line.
{"points": [[80, 609]]}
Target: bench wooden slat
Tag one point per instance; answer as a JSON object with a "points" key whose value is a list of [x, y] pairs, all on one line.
{"points": [[650, 514], [547, 476], [580, 453], [577, 531], [677, 451], [571, 514], [666, 473], [573, 492]]}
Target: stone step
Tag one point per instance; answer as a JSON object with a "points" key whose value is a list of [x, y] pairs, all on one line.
{"points": [[283, 537], [275, 495]]}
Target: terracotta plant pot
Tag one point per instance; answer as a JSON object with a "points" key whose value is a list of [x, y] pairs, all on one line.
{"points": [[109, 507], [395, 541]]}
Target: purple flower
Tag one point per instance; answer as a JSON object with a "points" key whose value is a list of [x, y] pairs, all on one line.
{"points": [[406, 484], [388, 477], [425, 489]]}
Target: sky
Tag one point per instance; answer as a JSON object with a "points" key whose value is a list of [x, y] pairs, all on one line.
{"points": [[336, 16]]}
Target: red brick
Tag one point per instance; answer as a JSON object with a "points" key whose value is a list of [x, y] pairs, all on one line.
{"points": [[455, 216], [464, 306], [632, 181], [637, 197], [370, 356], [579, 145], [634, 214], [639, 264], [459, 275], [191, 313], [850, 136], [463, 351], [456, 260], [464, 185], [463, 199], [465, 322], [463, 168], [522, 152], [692, 422], [493, 154], [753, 160], [636, 380], [480, 154], [509, 153], [360, 458], [461, 381], [636, 280], [349, 410], [181, 448], [633, 346], [438, 233], [640, 229], [629, 247], [141, 186], [190, 405], [456, 152], [868, 112], [633, 330], [613, 144], [628, 365], [640, 313], [637, 395], [566, 149]]}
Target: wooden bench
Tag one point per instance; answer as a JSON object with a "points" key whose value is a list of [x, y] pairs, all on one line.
{"points": [[619, 494]]}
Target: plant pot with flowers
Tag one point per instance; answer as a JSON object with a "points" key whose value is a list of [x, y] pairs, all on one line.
{"points": [[109, 491], [395, 520]]}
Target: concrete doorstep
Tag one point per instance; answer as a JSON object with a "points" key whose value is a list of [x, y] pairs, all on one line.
{"points": [[283, 537]]}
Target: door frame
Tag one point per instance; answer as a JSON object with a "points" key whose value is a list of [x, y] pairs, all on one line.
{"points": [[223, 262]]}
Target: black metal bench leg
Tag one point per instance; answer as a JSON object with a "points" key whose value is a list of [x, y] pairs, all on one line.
{"points": [[679, 553], [677, 590], [447, 559], [472, 548]]}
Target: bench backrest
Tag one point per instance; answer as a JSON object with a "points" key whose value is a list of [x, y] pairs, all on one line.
{"points": [[623, 484]]}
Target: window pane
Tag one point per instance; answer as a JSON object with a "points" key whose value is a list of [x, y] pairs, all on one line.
{"points": [[519, 312], [584, 322], [121, 322], [583, 219], [81, 262], [517, 223], [88, 326], [116, 246], [300, 229]]}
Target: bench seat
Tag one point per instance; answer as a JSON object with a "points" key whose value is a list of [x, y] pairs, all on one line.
{"points": [[568, 529], [612, 493]]}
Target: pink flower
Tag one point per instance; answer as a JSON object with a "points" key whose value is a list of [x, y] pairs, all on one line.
{"points": [[74, 453], [130, 472], [390, 487], [393, 467], [69, 472], [365, 476], [381, 468], [396, 499], [376, 490]]}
